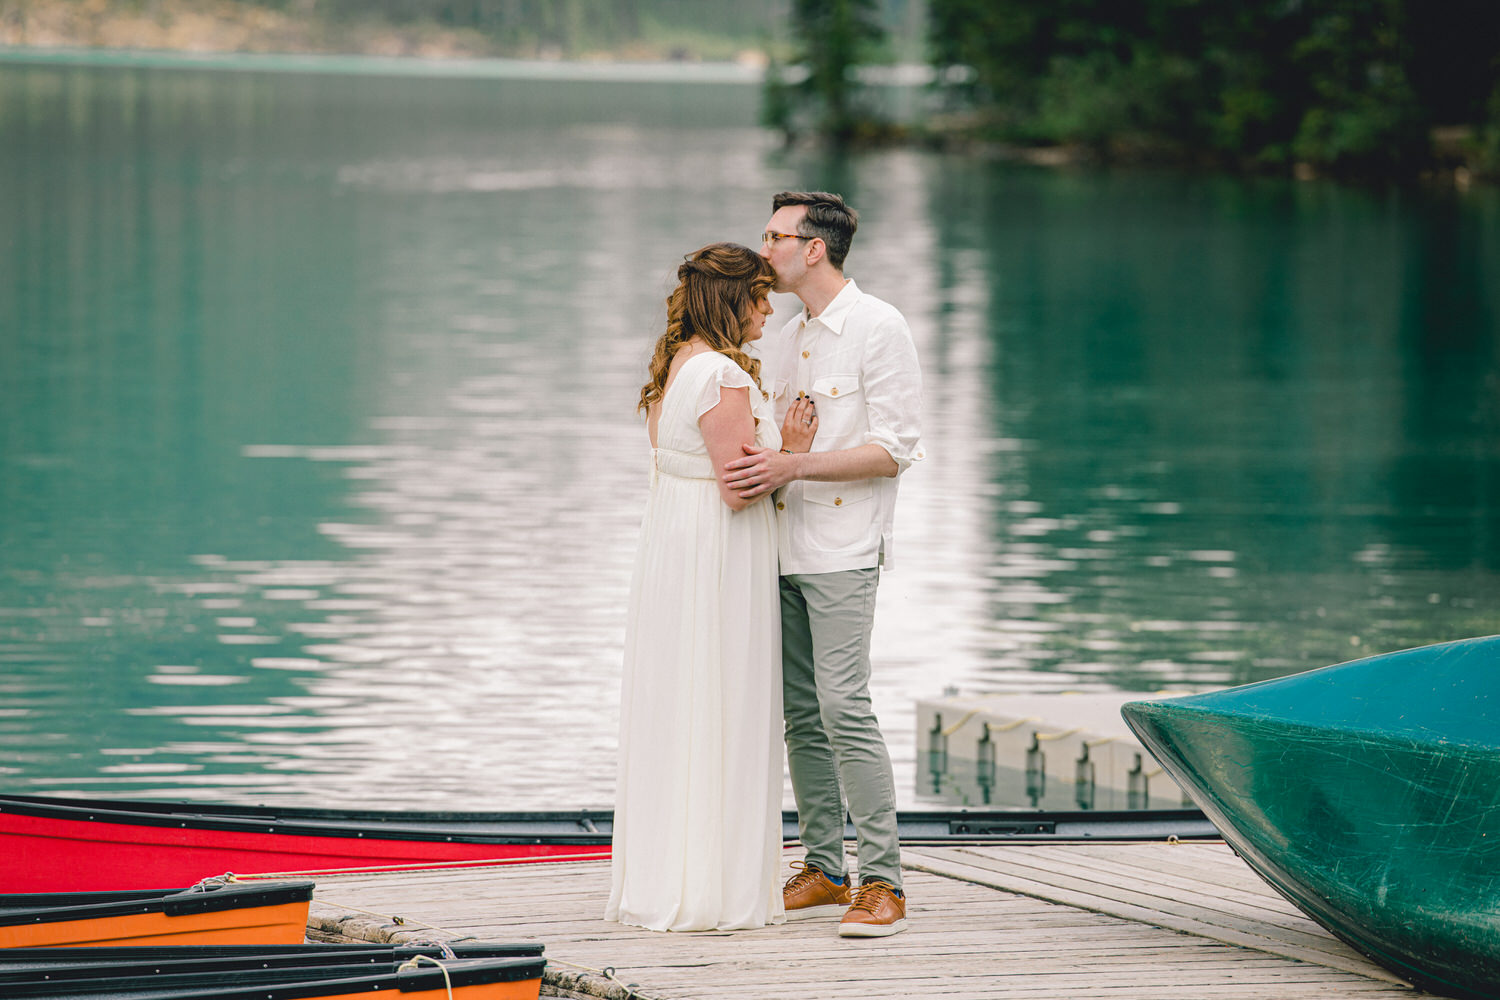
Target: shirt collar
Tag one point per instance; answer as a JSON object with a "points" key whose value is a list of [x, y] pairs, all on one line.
{"points": [[837, 311]]}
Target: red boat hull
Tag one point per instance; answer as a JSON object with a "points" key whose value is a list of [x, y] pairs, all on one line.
{"points": [[47, 854], [50, 844]]}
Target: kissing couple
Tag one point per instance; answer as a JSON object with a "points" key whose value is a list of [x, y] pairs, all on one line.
{"points": [[774, 465]]}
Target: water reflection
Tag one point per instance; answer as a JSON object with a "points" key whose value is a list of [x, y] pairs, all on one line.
{"points": [[1185, 440], [319, 479]]}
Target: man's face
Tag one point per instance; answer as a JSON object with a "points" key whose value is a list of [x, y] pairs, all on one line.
{"points": [[788, 257]]}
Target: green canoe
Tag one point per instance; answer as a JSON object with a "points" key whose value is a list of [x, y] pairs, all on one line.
{"points": [[1367, 793]]}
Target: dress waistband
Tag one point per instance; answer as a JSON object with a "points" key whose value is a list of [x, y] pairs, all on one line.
{"points": [[681, 465]]}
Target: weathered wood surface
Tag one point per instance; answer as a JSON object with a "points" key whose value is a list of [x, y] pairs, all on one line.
{"points": [[1120, 921], [1197, 889]]}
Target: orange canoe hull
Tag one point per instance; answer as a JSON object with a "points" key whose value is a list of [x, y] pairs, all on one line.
{"points": [[282, 924], [526, 989]]}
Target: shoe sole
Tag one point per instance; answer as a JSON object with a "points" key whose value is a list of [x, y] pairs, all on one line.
{"points": [[872, 930], [829, 910]]}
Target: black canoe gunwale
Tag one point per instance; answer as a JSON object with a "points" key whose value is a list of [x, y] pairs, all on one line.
{"points": [[587, 827], [289, 983], [581, 827], [30, 908], [64, 964]]}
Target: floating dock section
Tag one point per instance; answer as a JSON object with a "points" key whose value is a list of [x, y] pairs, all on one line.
{"points": [[1043, 751]]}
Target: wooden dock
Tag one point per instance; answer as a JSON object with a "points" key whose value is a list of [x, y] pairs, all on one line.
{"points": [[1136, 921]]}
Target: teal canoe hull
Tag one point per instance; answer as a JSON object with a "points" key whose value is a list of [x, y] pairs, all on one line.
{"points": [[1367, 793]]}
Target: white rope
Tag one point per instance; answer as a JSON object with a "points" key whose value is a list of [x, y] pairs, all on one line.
{"points": [[995, 727], [417, 960], [607, 972], [213, 882]]}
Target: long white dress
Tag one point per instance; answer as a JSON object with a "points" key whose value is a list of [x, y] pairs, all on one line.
{"points": [[697, 833]]}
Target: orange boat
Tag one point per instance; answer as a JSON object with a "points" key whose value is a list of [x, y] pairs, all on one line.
{"points": [[468, 971], [211, 912]]}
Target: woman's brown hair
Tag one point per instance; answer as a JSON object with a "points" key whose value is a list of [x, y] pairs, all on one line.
{"points": [[717, 289]]}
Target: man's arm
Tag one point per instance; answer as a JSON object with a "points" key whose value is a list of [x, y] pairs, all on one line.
{"points": [[763, 470], [893, 398]]}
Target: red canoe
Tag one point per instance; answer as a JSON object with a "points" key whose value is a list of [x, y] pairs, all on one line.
{"points": [[59, 844]]}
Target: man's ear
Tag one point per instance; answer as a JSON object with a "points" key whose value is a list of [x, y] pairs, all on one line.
{"points": [[816, 251]]}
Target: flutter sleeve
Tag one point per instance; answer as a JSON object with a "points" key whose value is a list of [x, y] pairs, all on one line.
{"points": [[725, 375]]}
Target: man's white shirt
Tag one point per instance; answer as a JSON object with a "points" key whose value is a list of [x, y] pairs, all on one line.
{"points": [[859, 364]]}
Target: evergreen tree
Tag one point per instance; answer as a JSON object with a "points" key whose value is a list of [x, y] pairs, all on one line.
{"points": [[833, 37]]}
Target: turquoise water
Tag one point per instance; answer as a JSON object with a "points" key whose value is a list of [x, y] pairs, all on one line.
{"points": [[319, 474]]}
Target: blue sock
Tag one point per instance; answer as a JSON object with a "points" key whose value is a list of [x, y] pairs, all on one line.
{"points": [[835, 879]]}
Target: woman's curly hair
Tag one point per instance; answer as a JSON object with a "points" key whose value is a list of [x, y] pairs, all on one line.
{"points": [[717, 289]]}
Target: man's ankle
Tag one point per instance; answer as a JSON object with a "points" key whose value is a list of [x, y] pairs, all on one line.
{"points": [[835, 879]]}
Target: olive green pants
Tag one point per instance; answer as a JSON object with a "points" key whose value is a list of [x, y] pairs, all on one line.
{"points": [[833, 744]]}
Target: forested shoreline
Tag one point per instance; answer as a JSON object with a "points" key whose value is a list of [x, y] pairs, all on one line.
{"points": [[1351, 88], [1347, 87]]}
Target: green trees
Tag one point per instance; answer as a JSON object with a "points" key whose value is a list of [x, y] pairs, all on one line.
{"points": [[1348, 86], [831, 39]]}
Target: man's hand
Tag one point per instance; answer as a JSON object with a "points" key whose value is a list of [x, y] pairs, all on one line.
{"points": [[759, 472]]}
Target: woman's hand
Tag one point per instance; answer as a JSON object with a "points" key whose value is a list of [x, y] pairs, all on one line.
{"points": [[800, 426]]}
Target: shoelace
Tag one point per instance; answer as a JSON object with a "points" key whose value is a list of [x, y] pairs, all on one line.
{"points": [[803, 878], [870, 896]]}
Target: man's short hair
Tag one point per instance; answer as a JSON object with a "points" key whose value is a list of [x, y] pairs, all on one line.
{"points": [[828, 218]]}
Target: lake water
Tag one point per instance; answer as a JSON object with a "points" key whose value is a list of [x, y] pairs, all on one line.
{"points": [[320, 473]]}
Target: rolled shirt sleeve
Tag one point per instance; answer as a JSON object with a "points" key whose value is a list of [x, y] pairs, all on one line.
{"points": [[893, 392]]}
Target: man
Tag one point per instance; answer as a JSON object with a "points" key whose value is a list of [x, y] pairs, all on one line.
{"points": [[852, 355]]}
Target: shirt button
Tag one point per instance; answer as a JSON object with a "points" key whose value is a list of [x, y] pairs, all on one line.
{"points": [[807, 354], [780, 505], [838, 501], [833, 392]]}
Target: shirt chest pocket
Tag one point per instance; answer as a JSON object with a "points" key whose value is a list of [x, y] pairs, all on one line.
{"points": [[841, 411]]}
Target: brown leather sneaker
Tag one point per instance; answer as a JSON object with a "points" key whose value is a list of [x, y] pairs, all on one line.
{"points": [[810, 893], [876, 912]]}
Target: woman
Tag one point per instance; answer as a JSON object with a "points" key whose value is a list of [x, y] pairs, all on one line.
{"points": [[697, 835]]}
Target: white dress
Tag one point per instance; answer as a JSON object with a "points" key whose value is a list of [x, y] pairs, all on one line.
{"points": [[697, 831]]}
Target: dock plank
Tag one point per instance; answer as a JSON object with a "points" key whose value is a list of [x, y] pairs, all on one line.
{"points": [[1272, 932], [1131, 872], [970, 934], [1209, 874]]}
